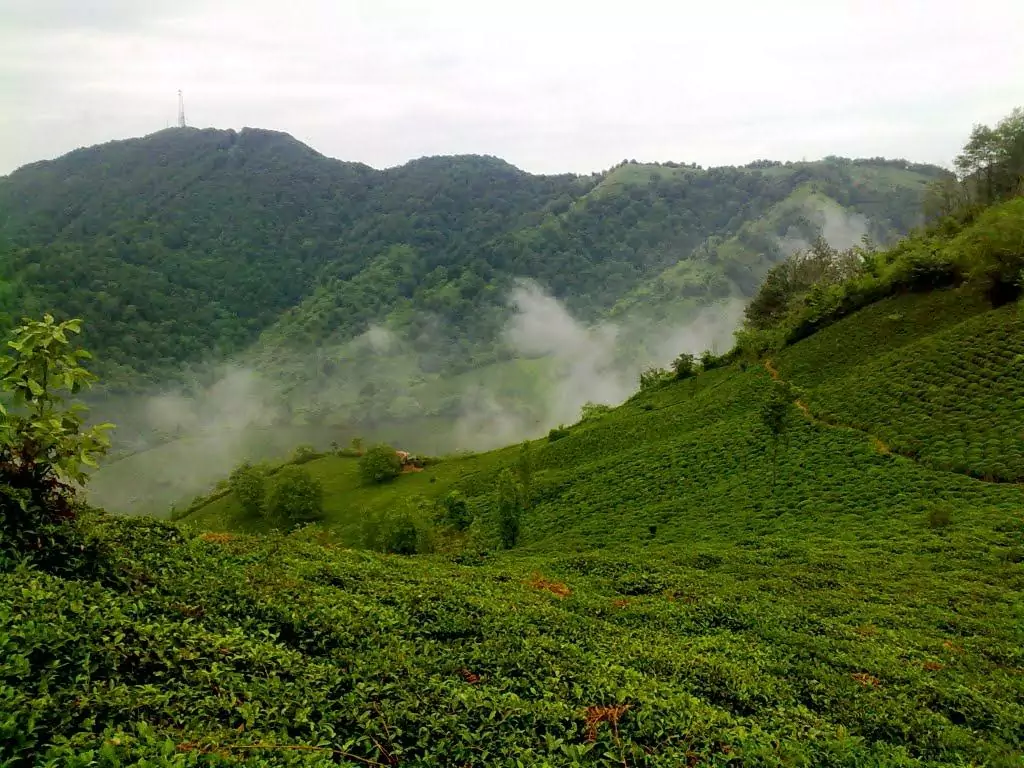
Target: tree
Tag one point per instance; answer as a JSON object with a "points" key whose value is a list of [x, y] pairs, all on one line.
{"points": [[380, 464], [296, 497], [455, 511], [992, 161], [652, 378], [510, 509], [249, 484], [775, 415], [594, 411], [524, 471], [44, 447], [684, 366]]}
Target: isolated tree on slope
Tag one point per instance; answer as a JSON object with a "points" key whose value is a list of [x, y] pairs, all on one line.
{"points": [[510, 509], [379, 464], [296, 497], [249, 484]]}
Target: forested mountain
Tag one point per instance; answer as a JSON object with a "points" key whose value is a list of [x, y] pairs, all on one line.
{"points": [[185, 246]]}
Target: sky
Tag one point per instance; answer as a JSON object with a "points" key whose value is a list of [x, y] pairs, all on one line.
{"points": [[549, 85]]}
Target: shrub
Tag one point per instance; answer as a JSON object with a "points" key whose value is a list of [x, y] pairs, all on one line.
{"points": [[249, 484], [44, 446], [994, 250], [304, 453], [455, 511], [510, 509], [684, 366], [380, 464], [296, 497], [397, 532], [709, 360], [940, 516], [594, 411], [653, 378], [557, 433]]}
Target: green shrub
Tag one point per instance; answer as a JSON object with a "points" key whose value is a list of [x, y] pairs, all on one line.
{"points": [[508, 499], [249, 484], [397, 532], [591, 411], [295, 497], [557, 433], [303, 454], [380, 464], [653, 378], [684, 366], [940, 516], [455, 511], [44, 444], [709, 360], [993, 249]]}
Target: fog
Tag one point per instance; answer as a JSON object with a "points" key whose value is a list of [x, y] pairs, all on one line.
{"points": [[177, 443], [587, 363], [841, 228]]}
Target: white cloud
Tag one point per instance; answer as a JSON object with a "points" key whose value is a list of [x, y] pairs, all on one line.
{"points": [[551, 86]]}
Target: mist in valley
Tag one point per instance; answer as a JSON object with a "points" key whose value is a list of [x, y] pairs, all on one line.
{"points": [[178, 443]]}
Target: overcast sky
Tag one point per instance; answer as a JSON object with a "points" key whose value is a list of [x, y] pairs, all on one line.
{"points": [[549, 85]]}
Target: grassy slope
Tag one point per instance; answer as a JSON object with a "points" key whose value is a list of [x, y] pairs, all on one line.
{"points": [[824, 622]]}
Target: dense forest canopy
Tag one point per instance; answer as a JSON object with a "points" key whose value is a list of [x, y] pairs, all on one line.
{"points": [[185, 246]]}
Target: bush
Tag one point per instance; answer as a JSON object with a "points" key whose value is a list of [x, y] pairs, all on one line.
{"points": [[401, 532], [994, 250], [296, 497], [304, 453], [594, 411], [557, 433], [249, 484], [44, 446], [380, 464], [510, 509], [709, 360], [940, 516], [684, 366], [455, 511], [653, 378]]}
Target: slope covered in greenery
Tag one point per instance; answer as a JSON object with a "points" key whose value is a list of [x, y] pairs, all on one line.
{"points": [[807, 552], [185, 246], [669, 604]]}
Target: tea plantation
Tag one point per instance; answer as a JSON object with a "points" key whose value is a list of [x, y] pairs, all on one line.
{"points": [[677, 598]]}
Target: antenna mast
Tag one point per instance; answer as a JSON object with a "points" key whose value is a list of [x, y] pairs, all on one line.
{"points": [[181, 110]]}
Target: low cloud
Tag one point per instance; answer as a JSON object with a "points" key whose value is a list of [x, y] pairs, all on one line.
{"points": [[183, 440]]}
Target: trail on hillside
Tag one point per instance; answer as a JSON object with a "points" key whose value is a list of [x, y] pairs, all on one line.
{"points": [[880, 445]]}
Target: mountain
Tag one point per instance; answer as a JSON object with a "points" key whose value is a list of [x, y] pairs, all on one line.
{"points": [[193, 246], [806, 551]]}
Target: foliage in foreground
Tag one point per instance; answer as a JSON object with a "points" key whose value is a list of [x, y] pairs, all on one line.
{"points": [[44, 445], [659, 609]]}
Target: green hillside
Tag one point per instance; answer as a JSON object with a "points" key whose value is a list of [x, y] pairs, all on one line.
{"points": [[186, 246], [668, 604], [808, 551]]}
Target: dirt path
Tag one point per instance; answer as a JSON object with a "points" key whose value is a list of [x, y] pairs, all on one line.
{"points": [[879, 444], [774, 373]]}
